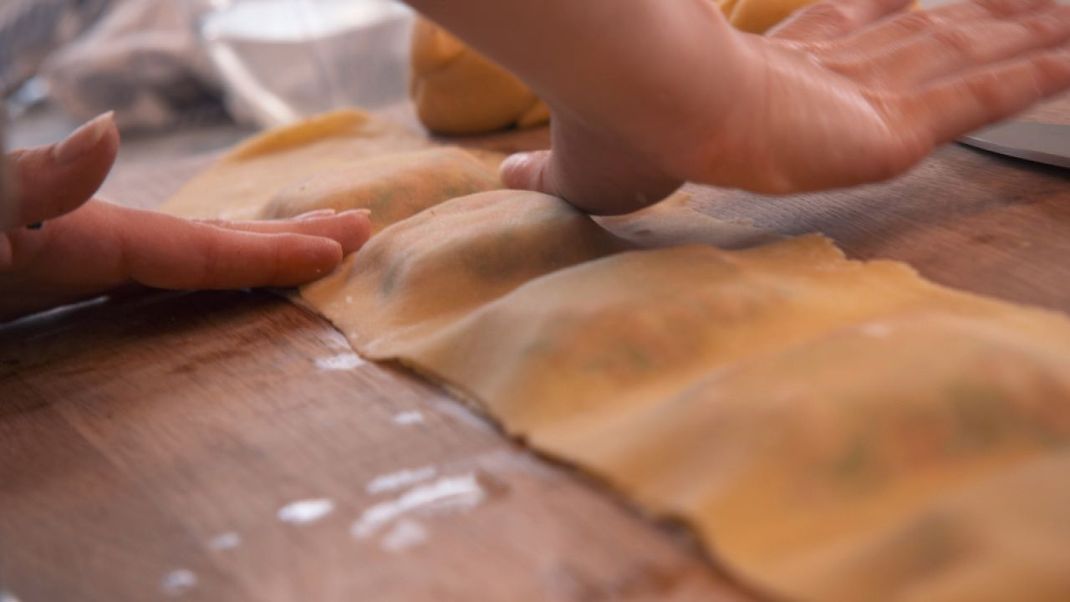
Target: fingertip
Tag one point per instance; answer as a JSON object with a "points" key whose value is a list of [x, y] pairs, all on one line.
{"points": [[521, 170], [315, 214], [308, 258], [331, 255], [356, 229], [111, 138], [96, 139], [56, 179]]}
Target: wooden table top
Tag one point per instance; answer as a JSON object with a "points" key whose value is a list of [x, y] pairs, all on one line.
{"points": [[152, 447]]}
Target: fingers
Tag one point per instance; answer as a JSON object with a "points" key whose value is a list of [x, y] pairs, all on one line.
{"points": [[955, 49], [167, 252], [911, 25], [54, 180], [350, 228], [834, 18], [955, 106], [102, 246]]}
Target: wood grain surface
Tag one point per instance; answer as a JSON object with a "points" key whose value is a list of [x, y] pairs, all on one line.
{"points": [[136, 432]]}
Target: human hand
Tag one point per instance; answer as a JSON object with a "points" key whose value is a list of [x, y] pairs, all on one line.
{"points": [[846, 92], [89, 246]]}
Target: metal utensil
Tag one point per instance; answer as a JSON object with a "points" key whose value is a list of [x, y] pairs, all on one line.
{"points": [[1047, 143]]}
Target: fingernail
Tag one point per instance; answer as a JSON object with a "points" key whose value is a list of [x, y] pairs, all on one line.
{"points": [[84, 139], [314, 214], [516, 161], [361, 212], [514, 171]]}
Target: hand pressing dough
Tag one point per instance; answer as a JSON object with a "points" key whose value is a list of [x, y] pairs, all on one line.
{"points": [[833, 430], [457, 90]]}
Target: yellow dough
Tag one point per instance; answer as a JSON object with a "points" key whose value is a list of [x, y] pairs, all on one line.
{"points": [[392, 186], [442, 263], [809, 416], [833, 430], [456, 90], [759, 16], [308, 166]]}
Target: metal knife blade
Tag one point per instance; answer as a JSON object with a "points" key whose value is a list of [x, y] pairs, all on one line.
{"points": [[1047, 143]]}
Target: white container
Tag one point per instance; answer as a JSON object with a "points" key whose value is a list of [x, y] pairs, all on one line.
{"points": [[281, 60]]}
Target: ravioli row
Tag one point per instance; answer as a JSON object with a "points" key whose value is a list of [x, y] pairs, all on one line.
{"points": [[833, 430]]}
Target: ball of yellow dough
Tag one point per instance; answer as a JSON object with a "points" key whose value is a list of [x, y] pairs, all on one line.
{"points": [[458, 91], [759, 16]]}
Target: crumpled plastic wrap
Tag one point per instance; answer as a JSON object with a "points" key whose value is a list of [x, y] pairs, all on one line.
{"points": [[31, 29], [142, 60]]}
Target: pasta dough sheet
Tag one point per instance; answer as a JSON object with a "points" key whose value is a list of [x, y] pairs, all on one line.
{"points": [[833, 430], [244, 183]]}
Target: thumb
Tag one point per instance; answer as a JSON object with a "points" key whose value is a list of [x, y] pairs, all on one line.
{"points": [[56, 179], [530, 171], [600, 186]]}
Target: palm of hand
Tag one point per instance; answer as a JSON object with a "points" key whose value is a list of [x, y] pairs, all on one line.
{"points": [[868, 104], [809, 127], [844, 93]]}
